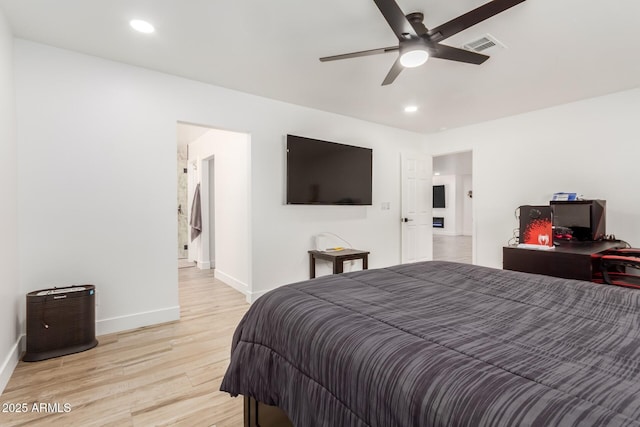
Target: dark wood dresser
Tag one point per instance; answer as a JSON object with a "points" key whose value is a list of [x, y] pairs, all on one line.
{"points": [[570, 260]]}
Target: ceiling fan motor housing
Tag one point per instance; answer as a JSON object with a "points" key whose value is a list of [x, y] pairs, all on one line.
{"points": [[413, 53]]}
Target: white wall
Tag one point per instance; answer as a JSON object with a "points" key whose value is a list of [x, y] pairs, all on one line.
{"points": [[97, 184], [11, 299], [453, 164], [230, 153], [467, 205], [212, 209], [590, 147]]}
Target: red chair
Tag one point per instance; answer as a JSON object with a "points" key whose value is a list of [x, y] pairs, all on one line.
{"points": [[620, 267]]}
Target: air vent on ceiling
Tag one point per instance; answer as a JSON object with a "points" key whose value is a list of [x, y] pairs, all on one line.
{"points": [[483, 43]]}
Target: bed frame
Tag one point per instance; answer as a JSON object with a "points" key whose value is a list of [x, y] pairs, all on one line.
{"points": [[257, 414]]}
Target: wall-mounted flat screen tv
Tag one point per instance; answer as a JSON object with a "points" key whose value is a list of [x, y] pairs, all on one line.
{"points": [[327, 173], [438, 196]]}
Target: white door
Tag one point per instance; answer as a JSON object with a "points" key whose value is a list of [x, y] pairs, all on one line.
{"points": [[417, 211]]}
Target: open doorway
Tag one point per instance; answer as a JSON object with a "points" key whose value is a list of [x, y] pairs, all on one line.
{"points": [[453, 207], [214, 230], [185, 135]]}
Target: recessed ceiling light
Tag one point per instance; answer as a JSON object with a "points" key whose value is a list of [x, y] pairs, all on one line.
{"points": [[410, 108], [141, 26], [436, 173]]}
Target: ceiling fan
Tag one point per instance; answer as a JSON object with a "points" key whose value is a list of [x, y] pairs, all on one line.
{"points": [[416, 43]]}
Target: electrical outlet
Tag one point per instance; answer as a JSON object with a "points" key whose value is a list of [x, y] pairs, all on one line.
{"points": [[186, 247], [385, 206]]}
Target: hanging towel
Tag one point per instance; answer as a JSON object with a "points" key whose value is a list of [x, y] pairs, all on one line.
{"points": [[196, 215]]}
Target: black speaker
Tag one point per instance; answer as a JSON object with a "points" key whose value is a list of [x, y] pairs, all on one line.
{"points": [[60, 321]]}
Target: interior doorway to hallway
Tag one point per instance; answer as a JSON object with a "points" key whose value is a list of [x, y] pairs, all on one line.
{"points": [[185, 135], [213, 202], [453, 207]]}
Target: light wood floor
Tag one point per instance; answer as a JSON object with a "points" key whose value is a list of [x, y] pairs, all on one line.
{"points": [[452, 248], [168, 374]]}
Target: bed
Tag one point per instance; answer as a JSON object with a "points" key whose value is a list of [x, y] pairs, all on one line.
{"points": [[441, 344]]}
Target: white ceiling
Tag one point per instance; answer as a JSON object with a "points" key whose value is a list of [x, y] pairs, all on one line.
{"points": [[557, 52]]}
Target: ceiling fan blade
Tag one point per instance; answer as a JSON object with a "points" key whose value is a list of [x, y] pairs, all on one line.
{"points": [[361, 53], [470, 19], [455, 54], [395, 70], [395, 17]]}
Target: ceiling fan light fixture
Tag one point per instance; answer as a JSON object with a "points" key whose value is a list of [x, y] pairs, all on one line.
{"points": [[414, 58]]}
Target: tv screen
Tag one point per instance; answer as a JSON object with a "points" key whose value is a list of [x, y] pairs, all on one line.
{"points": [[438, 196], [327, 173]]}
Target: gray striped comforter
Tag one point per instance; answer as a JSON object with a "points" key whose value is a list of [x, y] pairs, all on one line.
{"points": [[442, 344]]}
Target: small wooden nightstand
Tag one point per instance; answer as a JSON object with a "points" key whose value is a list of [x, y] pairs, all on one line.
{"points": [[337, 258]]}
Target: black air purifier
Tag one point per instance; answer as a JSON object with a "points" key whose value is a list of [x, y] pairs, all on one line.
{"points": [[60, 321]]}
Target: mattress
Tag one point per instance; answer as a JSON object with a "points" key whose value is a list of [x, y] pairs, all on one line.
{"points": [[442, 344]]}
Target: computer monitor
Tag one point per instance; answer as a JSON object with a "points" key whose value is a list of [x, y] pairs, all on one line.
{"points": [[583, 220]]}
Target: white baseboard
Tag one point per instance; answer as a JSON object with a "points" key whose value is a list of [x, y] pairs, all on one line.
{"points": [[232, 281], [137, 320], [253, 296], [10, 362], [204, 265]]}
